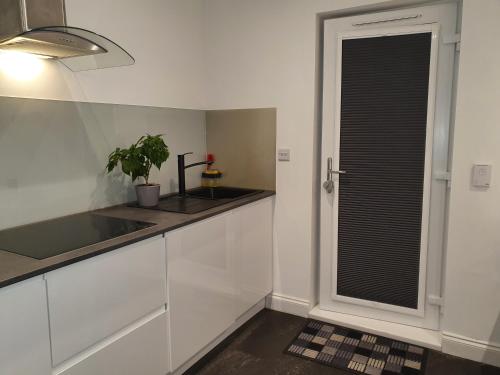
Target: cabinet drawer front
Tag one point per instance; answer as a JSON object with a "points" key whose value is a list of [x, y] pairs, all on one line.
{"points": [[143, 351], [201, 290], [254, 252], [95, 298], [24, 329]]}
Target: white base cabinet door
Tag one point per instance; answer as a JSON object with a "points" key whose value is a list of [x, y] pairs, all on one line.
{"points": [[95, 298], [200, 283], [253, 249], [217, 269], [142, 351], [24, 329]]}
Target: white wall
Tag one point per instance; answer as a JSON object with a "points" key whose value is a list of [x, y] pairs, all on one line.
{"points": [[262, 53], [165, 38], [472, 296]]}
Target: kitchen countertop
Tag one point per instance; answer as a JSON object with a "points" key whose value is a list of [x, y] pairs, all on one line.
{"points": [[15, 268]]}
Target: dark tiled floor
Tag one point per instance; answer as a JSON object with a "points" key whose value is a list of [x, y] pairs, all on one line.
{"points": [[257, 349]]}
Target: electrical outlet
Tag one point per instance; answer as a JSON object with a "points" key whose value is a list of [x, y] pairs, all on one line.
{"points": [[284, 154]]}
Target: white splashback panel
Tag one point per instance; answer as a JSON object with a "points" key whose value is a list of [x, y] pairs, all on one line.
{"points": [[53, 154]]}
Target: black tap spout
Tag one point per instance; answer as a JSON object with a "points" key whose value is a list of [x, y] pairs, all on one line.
{"points": [[199, 163], [181, 170]]}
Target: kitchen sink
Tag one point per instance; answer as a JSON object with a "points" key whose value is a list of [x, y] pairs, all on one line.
{"points": [[200, 199], [220, 192]]}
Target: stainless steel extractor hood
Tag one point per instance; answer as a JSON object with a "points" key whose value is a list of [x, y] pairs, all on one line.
{"points": [[39, 27]]}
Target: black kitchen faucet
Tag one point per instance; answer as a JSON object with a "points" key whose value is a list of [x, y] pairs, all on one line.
{"points": [[181, 169]]}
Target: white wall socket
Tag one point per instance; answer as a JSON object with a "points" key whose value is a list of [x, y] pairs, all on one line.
{"points": [[284, 154]]}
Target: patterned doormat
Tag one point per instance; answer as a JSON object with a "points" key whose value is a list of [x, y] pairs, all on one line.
{"points": [[355, 351]]}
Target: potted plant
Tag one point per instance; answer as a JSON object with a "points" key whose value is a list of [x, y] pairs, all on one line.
{"points": [[137, 161]]}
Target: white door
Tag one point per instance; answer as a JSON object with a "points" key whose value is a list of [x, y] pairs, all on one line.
{"points": [[387, 95]]}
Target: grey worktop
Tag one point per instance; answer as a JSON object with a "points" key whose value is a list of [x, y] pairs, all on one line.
{"points": [[15, 268]]}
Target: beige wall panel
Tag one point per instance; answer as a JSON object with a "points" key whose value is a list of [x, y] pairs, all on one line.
{"points": [[244, 144]]}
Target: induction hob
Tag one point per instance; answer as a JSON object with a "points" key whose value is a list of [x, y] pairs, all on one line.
{"points": [[53, 237]]}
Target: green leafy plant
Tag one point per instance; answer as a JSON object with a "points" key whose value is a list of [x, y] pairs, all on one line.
{"points": [[137, 160]]}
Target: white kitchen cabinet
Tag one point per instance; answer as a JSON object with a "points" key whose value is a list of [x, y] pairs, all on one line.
{"points": [[141, 351], [201, 285], [217, 270], [24, 329], [91, 300], [253, 249]]}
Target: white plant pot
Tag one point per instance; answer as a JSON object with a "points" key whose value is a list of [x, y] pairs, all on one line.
{"points": [[148, 195]]}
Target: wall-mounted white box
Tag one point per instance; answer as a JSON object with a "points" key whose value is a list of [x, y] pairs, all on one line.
{"points": [[481, 175]]}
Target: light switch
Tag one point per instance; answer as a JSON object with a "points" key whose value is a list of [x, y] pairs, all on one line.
{"points": [[481, 175], [284, 154]]}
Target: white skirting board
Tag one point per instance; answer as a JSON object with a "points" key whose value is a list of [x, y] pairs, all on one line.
{"points": [[289, 305], [239, 322], [474, 350], [413, 335]]}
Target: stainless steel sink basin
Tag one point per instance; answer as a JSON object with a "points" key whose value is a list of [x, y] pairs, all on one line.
{"points": [[221, 192]]}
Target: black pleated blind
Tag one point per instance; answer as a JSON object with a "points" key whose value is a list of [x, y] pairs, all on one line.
{"points": [[382, 148]]}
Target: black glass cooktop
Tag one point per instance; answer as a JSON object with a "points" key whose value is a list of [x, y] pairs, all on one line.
{"points": [[53, 237]]}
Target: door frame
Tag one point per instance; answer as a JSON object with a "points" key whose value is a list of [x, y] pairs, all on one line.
{"points": [[421, 19]]}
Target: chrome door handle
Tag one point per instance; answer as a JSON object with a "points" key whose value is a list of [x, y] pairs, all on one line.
{"points": [[328, 184], [329, 169]]}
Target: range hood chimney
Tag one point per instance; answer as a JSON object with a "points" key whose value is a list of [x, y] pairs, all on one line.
{"points": [[39, 27]]}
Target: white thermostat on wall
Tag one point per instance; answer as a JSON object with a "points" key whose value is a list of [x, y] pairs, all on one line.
{"points": [[481, 175]]}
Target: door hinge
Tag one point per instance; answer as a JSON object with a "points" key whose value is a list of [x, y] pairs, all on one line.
{"points": [[435, 300], [453, 39], [443, 176]]}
